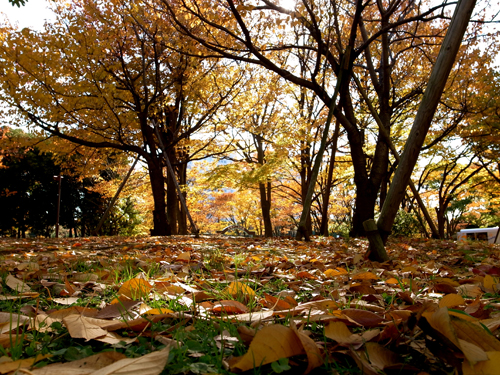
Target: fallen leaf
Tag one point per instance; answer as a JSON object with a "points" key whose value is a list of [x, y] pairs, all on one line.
{"points": [[135, 288], [451, 300], [237, 288], [16, 284], [82, 327], [83, 366], [269, 344], [488, 367], [149, 364]]}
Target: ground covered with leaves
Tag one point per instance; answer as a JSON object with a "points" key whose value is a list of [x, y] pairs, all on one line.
{"points": [[220, 305]]}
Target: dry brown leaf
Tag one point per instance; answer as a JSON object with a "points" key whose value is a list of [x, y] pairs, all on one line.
{"points": [[16, 284], [330, 273], [82, 327], [9, 366], [65, 301], [364, 276], [9, 321], [229, 307], [83, 366], [314, 357], [252, 317], [379, 356], [85, 311], [270, 344], [440, 320], [338, 331], [149, 364], [362, 317], [115, 310], [113, 338], [326, 306]]}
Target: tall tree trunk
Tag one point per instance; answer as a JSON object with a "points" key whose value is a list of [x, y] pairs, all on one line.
{"points": [[423, 119], [160, 222], [265, 204], [264, 189], [323, 230], [305, 173], [182, 217], [172, 205]]}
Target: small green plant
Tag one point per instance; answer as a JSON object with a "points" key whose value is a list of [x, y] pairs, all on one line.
{"points": [[280, 366]]}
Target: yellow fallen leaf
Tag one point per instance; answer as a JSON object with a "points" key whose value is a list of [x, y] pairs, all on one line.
{"points": [[158, 311], [475, 334], [184, 257], [135, 288], [270, 344], [489, 283], [488, 367], [451, 300], [237, 288], [9, 366], [335, 272]]}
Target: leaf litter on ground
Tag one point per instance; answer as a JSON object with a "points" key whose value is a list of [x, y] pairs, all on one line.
{"points": [[227, 305]]}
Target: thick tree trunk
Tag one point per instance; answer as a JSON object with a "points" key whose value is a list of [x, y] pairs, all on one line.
{"points": [[441, 220], [364, 207], [160, 222], [172, 205]]}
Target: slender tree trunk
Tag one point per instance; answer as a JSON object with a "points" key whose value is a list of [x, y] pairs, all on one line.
{"points": [[305, 174], [423, 119], [323, 230], [182, 218], [265, 205]]}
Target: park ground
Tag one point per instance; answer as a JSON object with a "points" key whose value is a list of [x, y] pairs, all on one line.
{"points": [[221, 305]]}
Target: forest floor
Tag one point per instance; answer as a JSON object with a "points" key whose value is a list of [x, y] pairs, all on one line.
{"points": [[221, 305]]}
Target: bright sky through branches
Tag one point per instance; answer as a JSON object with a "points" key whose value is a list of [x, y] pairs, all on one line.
{"points": [[32, 15]]}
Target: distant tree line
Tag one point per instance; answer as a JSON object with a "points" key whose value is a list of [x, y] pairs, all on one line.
{"points": [[29, 195]]}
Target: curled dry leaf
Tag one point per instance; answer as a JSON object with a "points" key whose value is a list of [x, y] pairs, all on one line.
{"points": [[83, 366], [149, 364], [314, 356], [270, 344], [229, 307], [338, 331]]}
